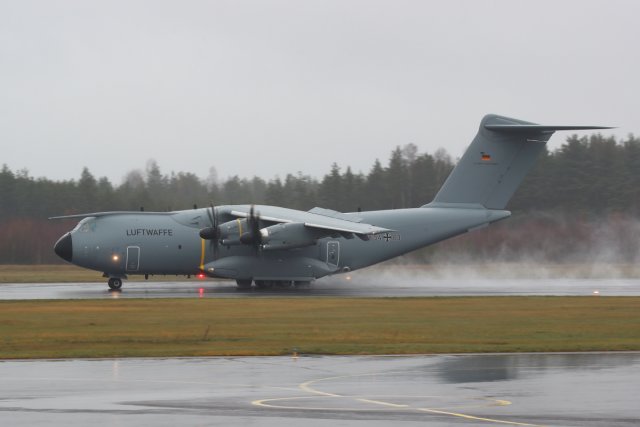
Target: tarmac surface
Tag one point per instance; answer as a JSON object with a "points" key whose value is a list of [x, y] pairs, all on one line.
{"points": [[587, 389], [340, 286]]}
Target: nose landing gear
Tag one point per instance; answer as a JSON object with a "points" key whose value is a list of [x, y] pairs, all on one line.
{"points": [[115, 283], [115, 280]]}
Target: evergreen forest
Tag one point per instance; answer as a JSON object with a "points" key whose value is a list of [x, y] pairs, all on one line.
{"points": [[580, 203]]}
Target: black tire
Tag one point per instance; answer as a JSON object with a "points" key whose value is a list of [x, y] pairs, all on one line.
{"points": [[244, 284], [115, 284], [283, 284], [263, 284]]}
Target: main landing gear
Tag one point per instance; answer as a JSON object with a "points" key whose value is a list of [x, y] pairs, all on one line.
{"points": [[245, 284], [268, 284], [115, 283]]}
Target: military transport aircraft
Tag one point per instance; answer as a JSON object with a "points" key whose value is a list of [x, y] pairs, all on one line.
{"points": [[274, 246]]}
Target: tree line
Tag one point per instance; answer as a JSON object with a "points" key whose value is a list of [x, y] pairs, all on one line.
{"points": [[409, 179], [586, 179]]}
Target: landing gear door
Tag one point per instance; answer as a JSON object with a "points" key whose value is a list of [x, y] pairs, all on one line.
{"points": [[333, 254], [133, 258]]}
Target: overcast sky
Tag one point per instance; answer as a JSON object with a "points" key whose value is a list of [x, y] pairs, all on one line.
{"points": [[274, 87]]}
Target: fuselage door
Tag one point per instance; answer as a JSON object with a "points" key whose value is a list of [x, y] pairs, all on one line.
{"points": [[133, 258], [333, 253]]}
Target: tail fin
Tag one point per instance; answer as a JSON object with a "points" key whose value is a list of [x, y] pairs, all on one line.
{"points": [[497, 161]]}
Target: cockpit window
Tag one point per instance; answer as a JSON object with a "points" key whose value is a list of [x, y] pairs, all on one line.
{"points": [[86, 225]]}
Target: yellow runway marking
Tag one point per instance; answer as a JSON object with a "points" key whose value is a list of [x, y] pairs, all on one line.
{"points": [[307, 387], [264, 404], [471, 417], [378, 402]]}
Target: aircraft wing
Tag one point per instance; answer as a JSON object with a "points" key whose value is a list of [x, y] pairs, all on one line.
{"points": [[111, 213], [332, 222]]}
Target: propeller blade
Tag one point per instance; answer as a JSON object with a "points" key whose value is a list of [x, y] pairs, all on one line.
{"points": [[212, 233], [213, 217], [254, 237], [210, 216]]}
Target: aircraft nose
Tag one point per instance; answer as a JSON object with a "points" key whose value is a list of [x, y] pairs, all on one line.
{"points": [[64, 247]]}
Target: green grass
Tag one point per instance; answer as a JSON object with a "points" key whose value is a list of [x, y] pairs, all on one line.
{"points": [[47, 274], [61, 273], [274, 326]]}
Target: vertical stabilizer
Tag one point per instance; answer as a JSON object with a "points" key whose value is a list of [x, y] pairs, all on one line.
{"points": [[496, 162]]}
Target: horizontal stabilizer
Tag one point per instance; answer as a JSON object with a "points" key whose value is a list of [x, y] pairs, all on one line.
{"points": [[538, 128]]}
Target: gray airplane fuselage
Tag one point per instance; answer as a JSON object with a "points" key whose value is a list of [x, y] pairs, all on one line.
{"points": [[169, 243], [268, 243]]}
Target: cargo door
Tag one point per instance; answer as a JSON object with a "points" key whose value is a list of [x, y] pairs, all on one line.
{"points": [[333, 254]]}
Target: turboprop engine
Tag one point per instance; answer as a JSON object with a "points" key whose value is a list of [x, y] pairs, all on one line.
{"points": [[229, 233], [287, 236]]}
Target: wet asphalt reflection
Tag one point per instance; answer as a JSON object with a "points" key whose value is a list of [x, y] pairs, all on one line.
{"points": [[356, 286], [588, 389]]}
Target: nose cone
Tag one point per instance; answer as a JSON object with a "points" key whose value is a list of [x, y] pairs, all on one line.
{"points": [[64, 247]]}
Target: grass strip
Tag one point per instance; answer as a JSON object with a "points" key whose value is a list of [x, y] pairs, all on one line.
{"points": [[64, 273], [276, 326]]}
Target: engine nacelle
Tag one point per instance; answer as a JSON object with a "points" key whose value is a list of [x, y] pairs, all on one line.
{"points": [[287, 236], [230, 232]]}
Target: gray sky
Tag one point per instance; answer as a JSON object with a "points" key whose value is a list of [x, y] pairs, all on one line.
{"points": [[274, 87]]}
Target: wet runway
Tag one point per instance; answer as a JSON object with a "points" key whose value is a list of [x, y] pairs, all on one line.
{"points": [[345, 286], [592, 389]]}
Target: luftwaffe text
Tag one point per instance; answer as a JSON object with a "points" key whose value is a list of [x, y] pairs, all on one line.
{"points": [[150, 232]]}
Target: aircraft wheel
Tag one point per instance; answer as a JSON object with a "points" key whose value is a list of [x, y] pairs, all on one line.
{"points": [[115, 283], [283, 284], [263, 284], [244, 284]]}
